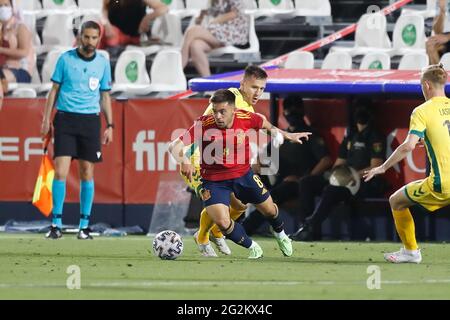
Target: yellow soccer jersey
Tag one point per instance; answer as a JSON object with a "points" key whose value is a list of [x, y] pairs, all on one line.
{"points": [[239, 102], [431, 121]]}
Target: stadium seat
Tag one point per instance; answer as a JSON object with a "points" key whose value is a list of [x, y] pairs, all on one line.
{"points": [[250, 6], [90, 6], [280, 9], [24, 93], [65, 5], [429, 12], [166, 73], [315, 8], [193, 7], [29, 18], [337, 60], [130, 73], [300, 60], [409, 35], [445, 60], [175, 6], [58, 31], [370, 34], [414, 61], [253, 44], [376, 60], [48, 68]]}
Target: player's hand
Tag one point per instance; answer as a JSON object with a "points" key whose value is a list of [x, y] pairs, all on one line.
{"points": [[369, 174], [45, 129], [108, 136], [298, 136], [187, 169], [144, 26]]}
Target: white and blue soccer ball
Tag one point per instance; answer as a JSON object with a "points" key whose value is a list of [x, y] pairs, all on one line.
{"points": [[168, 245]]}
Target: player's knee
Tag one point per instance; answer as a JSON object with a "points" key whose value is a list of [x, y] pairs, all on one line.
{"points": [[239, 206], [223, 223], [393, 202]]}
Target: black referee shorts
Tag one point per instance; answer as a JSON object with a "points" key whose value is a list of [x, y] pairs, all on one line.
{"points": [[78, 136]]}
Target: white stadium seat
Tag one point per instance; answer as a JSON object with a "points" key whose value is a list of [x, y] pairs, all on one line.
{"points": [[337, 60], [376, 60], [371, 34], [413, 61], [130, 73], [300, 60], [166, 73], [312, 8]]}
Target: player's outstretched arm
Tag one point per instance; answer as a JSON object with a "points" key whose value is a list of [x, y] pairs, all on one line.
{"points": [[176, 150], [292, 136], [398, 155]]}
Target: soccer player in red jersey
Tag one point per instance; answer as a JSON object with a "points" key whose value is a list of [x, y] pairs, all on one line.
{"points": [[223, 138]]}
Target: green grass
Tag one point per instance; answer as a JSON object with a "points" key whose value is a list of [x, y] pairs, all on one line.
{"points": [[122, 268]]}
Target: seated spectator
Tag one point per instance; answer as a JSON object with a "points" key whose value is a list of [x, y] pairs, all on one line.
{"points": [[224, 23], [363, 149], [295, 161], [17, 55], [126, 20], [438, 44]]}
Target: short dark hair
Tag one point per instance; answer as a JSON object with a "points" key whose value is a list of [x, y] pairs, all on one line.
{"points": [[256, 72], [90, 25], [294, 102], [223, 95]]}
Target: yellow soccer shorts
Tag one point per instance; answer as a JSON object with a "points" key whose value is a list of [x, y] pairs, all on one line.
{"points": [[421, 193]]}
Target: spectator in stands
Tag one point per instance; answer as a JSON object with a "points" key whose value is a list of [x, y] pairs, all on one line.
{"points": [[17, 55], [126, 20], [363, 149], [224, 23], [439, 43], [295, 161]]}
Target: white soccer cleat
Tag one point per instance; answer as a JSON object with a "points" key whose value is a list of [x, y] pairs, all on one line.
{"points": [[205, 249], [221, 244], [404, 256]]}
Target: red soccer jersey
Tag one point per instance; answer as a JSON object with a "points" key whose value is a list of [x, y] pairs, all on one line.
{"points": [[225, 153]]}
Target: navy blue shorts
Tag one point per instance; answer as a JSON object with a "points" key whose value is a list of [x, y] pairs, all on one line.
{"points": [[248, 188], [21, 75]]}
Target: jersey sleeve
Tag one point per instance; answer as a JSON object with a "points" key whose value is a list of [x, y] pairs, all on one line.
{"points": [[256, 121], [58, 74], [105, 83], [417, 123]]}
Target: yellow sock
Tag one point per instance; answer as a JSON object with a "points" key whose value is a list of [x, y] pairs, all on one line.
{"points": [[205, 225], [234, 214], [404, 223]]}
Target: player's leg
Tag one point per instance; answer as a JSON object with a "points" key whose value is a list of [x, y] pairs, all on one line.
{"points": [[89, 153], [192, 33], [404, 224], [198, 51], [270, 210], [87, 191], [62, 167], [237, 208], [250, 189]]}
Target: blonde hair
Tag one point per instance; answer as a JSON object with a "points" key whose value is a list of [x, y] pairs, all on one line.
{"points": [[435, 74]]}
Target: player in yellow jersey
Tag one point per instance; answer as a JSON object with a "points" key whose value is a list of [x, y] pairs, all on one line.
{"points": [[431, 122], [251, 88]]}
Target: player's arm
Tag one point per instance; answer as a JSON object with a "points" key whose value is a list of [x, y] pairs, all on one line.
{"points": [[399, 154], [45, 127], [294, 136], [176, 149], [105, 103]]}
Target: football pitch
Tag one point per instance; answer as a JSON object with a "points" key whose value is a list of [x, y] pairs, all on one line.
{"points": [[32, 267]]}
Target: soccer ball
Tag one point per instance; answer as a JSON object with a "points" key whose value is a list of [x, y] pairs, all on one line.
{"points": [[167, 245]]}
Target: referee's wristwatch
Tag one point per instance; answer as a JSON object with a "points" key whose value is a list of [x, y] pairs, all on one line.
{"points": [[110, 125]]}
